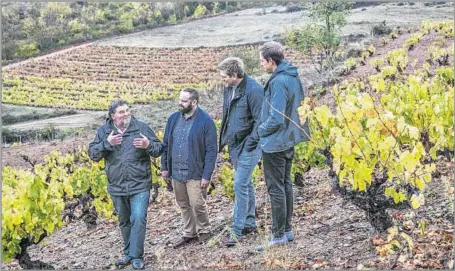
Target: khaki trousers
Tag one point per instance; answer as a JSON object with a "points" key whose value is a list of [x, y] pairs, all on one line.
{"points": [[191, 199]]}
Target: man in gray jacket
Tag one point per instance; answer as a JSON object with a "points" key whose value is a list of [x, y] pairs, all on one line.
{"points": [[126, 145], [280, 130]]}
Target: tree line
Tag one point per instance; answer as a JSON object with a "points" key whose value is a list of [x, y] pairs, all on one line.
{"points": [[29, 29]]}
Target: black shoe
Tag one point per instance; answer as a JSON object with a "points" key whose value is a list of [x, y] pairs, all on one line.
{"points": [[204, 237], [184, 241], [123, 261], [137, 264], [248, 230], [231, 240]]}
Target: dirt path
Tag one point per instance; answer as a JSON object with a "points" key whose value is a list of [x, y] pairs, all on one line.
{"points": [[329, 233], [248, 26], [73, 121]]}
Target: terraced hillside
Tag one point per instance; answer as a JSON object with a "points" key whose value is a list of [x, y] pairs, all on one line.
{"points": [[92, 76]]}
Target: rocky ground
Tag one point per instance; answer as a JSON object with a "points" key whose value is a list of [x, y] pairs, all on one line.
{"points": [[330, 234]]}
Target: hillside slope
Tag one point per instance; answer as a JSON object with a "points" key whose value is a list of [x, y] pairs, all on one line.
{"points": [[330, 233]]}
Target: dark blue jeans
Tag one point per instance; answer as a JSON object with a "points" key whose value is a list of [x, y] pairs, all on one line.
{"points": [[132, 217], [245, 202]]}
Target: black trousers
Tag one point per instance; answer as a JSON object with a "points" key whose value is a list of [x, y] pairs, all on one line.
{"points": [[277, 172]]}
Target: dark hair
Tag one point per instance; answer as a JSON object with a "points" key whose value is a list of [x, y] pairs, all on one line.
{"points": [[194, 95], [113, 106], [272, 50], [232, 66]]}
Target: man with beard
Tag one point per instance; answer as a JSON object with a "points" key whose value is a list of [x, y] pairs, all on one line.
{"points": [[242, 105], [188, 162], [126, 145]]}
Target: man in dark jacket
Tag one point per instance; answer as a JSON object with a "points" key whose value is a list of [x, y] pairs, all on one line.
{"points": [[188, 161], [126, 145], [242, 105], [279, 132]]}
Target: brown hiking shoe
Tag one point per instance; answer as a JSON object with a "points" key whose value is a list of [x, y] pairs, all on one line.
{"points": [[184, 241]]}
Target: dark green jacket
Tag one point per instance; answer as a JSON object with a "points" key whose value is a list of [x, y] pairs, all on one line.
{"points": [[128, 168]]}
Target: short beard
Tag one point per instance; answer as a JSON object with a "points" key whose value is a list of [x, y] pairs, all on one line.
{"points": [[127, 122], [185, 110]]}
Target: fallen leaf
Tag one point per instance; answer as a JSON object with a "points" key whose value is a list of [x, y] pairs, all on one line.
{"points": [[377, 241]]}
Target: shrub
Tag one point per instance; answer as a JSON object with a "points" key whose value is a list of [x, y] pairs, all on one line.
{"points": [[27, 49], [381, 29], [200, 11], [292, 7], [249, 56]]}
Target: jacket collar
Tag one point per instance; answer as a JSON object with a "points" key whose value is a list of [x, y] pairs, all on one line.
{"points": [[279, 69], [241, 87]]}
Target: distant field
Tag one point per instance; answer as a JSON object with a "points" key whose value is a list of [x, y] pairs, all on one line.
{"points": [[251, 25], [92, 76]]}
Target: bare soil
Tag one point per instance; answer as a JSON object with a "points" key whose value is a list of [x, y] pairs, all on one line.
{"points": [[323, 237], [56, 52], [36, 151], [251, 25], [330, 234]]}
